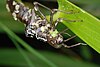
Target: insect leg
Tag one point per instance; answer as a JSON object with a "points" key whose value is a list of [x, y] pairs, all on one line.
{"points": [[65, 12], [36, 7], [67, 20], [36, 3], [72, 45], [63, 19], [70, 38], [60, 20], [64, 32]]}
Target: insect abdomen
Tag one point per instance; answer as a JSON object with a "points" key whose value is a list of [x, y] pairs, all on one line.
{"points": [[19, 11]]}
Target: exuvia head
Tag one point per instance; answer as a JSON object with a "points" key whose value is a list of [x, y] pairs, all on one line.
{"points": [[55, 41]]}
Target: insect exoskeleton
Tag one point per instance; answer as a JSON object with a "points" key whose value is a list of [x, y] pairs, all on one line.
{"points": [[55, 39], [37, 24]]}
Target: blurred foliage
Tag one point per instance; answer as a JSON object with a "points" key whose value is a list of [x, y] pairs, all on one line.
{"points": [[92, 7], [5, 18], [12, 57]]}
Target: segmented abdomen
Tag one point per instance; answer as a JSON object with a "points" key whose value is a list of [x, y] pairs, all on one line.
{"points": [[19, 11], [35, 26]]}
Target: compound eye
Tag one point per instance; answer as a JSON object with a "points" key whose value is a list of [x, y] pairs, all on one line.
{"points": [[59, 40]]}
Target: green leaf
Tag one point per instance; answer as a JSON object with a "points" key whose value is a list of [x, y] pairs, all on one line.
{"points": [[88, 30]]}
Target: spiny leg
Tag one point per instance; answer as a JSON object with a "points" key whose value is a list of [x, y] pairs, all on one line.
{"points": [[57, 10], [65, 12], [36, 7], [60, 20], [70, 38], [72, 45], [64, 32], [36, 3], [65, 19]]}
